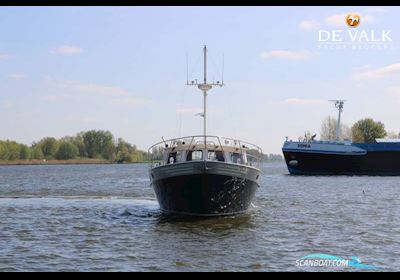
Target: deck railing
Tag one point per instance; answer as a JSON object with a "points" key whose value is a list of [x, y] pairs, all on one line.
{"points": [[253, 152]]}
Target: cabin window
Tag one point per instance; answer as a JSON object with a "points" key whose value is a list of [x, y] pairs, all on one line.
{"points": [[237, 158], [175, 157], [178, 156], [195, 155], [211, 156], [215, 156], [172, 158], [252, 161]]}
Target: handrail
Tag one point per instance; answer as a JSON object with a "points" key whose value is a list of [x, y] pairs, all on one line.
{"points": [[253, 152], [188, 149], [193, 136], [222, 148]]}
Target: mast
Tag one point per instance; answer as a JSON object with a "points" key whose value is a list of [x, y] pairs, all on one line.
{"points": [[205, 87], [339, 104]]}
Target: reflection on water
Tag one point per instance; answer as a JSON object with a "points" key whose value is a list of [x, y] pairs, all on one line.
{"points": [[106, 218]]}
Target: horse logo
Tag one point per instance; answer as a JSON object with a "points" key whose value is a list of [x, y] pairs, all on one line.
{"points": [[353, 20]]}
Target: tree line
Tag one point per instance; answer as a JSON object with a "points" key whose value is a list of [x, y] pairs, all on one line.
{"points": [[272, 157], [93, 144], [364, 131]]}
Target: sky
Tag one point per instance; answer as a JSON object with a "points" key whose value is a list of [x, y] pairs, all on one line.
{"points": [[69, 69]]}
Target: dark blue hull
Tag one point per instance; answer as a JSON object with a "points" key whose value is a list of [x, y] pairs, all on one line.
{"points": [[373, 163], [205, 189]]}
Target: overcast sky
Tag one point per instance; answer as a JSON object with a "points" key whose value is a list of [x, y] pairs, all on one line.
{"points": [[123, 69]]}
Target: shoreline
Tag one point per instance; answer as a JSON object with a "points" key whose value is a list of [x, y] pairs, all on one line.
{"points": [[76, 162], [59, 162]]}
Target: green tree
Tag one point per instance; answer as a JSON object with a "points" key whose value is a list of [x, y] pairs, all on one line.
{"points": [[92, 144], [123, 155], [25, 152], [367, 131], [37, 153], [9, 150], [3, 150], [127, 152], [67, 150], [99, 143], [49, 147], [78, 141]]}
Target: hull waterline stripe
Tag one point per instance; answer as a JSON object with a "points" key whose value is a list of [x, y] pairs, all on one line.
{"points": [[324, 152]]}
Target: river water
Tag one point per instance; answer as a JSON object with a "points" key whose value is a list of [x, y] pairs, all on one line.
{"points": [[106, 218]]}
